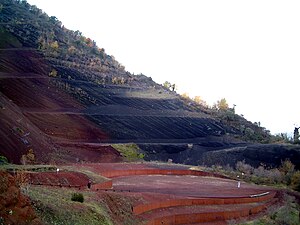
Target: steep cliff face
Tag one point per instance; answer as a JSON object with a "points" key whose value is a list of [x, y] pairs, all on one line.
{"points": [[15, 208]]}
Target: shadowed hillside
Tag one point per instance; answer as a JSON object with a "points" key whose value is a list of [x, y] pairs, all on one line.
{"points": [[63, 99]]}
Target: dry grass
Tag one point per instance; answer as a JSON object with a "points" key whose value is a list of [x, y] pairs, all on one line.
{"points": [[54, 206]]}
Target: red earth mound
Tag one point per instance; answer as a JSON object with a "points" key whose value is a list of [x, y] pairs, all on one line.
{"points": [[60, 178], [15, 208]]}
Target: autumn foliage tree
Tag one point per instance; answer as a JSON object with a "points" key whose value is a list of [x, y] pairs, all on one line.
{"points": [[167, 84], [185, 95], [199, 101], [222, 104], [28, 158]]}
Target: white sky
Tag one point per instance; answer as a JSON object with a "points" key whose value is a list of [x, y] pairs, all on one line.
{"points": [[245, 51]]}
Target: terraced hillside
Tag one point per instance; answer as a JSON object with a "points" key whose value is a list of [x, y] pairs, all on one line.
{"points": [[155, 193], [63, 99]]}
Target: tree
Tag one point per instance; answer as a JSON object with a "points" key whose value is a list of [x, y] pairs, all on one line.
{"points": [[167, 84], [28, 158], [200, 101], [53, 19], [71, 49], [222, 104], [173, 86], [53, 73], [54, 45], [287, 168], [295, 181], [185, 95], [296, 135]]}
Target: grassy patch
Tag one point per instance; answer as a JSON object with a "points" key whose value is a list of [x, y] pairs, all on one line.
{"points": [[54, 206], [35, 168], [130, 152], [96, 178]]}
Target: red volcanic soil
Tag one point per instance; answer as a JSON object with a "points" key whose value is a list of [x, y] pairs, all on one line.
{"points": [[15, 208], [34, 114], [59, 178], [155, 197], [111, 167], [88, 153], [197, 209], [67, 126], [18, 134], [186, 186], [162, 197], [35, 92]]}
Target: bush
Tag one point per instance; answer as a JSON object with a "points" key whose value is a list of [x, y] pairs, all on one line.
{"points": [[130, 152], [287, 168], [3, 160], [243, 167], [77, 197], [295, 181]]}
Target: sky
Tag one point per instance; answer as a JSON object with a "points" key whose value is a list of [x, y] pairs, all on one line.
{"points": [[247, 52]]}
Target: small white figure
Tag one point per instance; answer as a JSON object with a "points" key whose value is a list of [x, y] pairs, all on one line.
{"points": [[239, 184], [57, 170]]}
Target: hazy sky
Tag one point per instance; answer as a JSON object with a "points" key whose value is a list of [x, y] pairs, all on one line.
{"points": [[245, 51]]}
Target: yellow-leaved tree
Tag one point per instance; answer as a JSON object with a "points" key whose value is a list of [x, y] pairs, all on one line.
{"points": [[222, 104]]}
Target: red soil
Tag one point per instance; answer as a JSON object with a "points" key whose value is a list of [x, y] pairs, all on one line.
{"points": [[36, 93], [67, 126], [18, 134], [28, 102], [186, 186], [172, 199], [121, 167], [182, 199], [89, 153], [60, 178], [15, 208]]}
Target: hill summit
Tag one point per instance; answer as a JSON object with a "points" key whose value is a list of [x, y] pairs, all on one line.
{"points": [[64, 99]]}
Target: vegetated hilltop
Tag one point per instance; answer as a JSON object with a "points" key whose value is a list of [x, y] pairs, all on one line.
{"points": [[63, 99]]}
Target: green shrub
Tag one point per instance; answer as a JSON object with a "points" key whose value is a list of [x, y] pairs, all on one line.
{"points": [[130, 152], [3, 160], [77, 197]]}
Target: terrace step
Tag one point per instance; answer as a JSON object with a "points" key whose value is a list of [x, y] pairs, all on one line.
{"points": [[204, 214]]}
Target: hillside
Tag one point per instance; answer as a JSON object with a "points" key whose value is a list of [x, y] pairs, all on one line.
{"points": [[64, 99]]}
